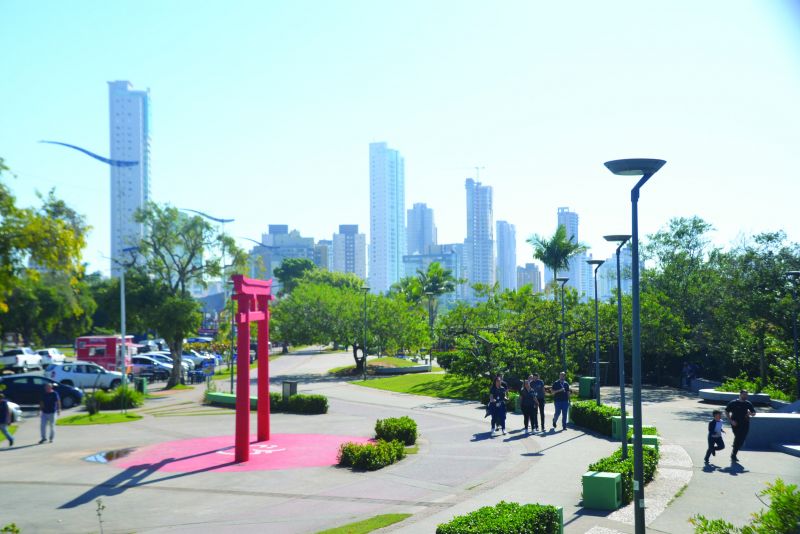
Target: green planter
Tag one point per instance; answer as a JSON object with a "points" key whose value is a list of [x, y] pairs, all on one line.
{"points": [[602, 491]]}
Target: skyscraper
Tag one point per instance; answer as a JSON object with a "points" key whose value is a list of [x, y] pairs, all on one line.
{"points": [[129, 138], [576, 271], [421, 230], [529, 275], [479, 244], [506, 255], [387, 229], [350, 251]]}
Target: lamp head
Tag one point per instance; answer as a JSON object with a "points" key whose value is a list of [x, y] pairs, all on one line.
{"points": [[365, 288], [635, 166], [562, 279], [617, 238], [596, 262]]}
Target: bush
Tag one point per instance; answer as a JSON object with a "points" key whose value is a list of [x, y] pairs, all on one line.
{"points": [[445, 359], [371, 456], [113, 400], [506, 518], [307, 404], [735, 385], [646, 431], [615, 464], [397, 428], [588, 414]]}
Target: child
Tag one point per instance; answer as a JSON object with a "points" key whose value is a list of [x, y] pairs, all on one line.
{"points": [[715, 431]]}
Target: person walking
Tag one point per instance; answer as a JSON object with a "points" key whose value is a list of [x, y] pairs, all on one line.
{"points": [[529, 404], [561, 393], [739, 412], [49, 407], [497, 401], [715, 431], [537, 385], [5, 419]]}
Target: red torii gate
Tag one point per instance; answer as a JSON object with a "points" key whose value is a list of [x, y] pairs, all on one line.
{"points": [[253, 297]]}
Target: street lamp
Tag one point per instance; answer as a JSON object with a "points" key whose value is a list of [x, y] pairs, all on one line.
{"points": [[563, 280], [365, 289], [596, 264], [429, 294], [123, 349], [795, 275], [645, 168], [621, 239]]}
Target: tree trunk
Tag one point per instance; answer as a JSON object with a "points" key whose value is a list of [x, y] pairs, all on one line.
{"points": [[176, 348]]}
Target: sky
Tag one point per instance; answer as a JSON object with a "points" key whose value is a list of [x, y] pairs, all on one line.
{"points": [[262, 111]]}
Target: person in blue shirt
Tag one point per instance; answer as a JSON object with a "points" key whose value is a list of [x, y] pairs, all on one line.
{"points": [[715, 431], [561, 400], [497, 403], [49, 407], [537, 385]]}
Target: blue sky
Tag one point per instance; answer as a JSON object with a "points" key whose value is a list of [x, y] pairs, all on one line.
{"points": [[263, 111]]}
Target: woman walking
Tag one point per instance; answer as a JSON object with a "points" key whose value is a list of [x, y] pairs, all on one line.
{"points": [[529, 404], [497, 403]]}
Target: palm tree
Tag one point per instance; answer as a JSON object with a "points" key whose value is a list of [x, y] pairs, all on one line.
{"points": [[555, 252], [434, 282]]}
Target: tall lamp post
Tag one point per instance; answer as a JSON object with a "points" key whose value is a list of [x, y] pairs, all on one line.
{"points": [[429, 294], [795, 275], [621, 239], [645, 168], [596, 264], [123, 347], [365, 289], [563, 280]]}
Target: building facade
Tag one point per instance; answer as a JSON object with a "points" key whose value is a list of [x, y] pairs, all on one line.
{"points": [[530, 275], [277, 245], [129, 138], [448, 256], [387, 239], [420, 229], [506, 255], [350, 251], [323, 254], [479, 265]]}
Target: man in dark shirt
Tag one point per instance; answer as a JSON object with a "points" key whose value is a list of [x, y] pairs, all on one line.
{"points": [[561, 400], [537, 385], [50, 406], [739, 412], [5, 419]]}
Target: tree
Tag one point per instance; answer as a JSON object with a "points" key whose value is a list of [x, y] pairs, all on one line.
{"points": [[556, 251], [290, 271]]}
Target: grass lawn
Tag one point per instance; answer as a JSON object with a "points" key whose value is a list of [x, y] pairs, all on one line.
{"points": [[102, 418], [225, 372], [182, 386], [367, 525], [12, 429], [387, 361], [433, 385]]}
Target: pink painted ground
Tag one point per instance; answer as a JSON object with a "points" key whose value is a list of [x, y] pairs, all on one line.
{"points": [[282, 451]]}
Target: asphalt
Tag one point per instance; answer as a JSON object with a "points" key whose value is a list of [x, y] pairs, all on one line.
{"points": [[51, 488]]}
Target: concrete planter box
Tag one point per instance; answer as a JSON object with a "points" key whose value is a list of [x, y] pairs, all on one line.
{"points": [[770, 429], [725, 397], [602, 491], [402, 370]]}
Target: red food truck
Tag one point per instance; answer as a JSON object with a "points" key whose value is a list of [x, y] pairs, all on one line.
{"points": [[103, 350]]}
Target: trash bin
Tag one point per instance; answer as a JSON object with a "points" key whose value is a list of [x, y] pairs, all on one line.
{"points": [[602, 491], [289, 389], [586, 387], [140, 384]]}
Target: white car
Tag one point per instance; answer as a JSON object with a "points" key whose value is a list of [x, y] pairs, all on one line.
{"points": [[21, 359], [84, 375], [16, 411], [187, 365], [50, 356]]}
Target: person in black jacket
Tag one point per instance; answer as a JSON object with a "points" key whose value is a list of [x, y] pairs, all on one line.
{"points": [[739, 412], [537, 385], [715, 431], [497, 402], [529, 404]]}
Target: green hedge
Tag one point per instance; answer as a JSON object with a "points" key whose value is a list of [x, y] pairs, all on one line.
{"points": [[371, 456], [113, 400], [589, 415], [397, 428], [615, 464], [506, 518], [299, 404]]}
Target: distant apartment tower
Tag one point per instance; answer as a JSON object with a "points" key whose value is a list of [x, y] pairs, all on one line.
{"points": [[479, 244], [350, 251], [420, 229], [387, 239], [448, 256], [323, 254], [576, 271], [506, 255], [530, 275], [129, 138], [607, 275], [277, 245]]}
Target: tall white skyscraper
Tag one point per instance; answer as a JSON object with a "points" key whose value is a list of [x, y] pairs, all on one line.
{"points": [[506, 255], [387, 210], [479, 244], [129, 121], [576, 272], [421, 230], [350, 251]]}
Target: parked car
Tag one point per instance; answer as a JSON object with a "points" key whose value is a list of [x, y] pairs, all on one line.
{"points": [[28, 389], [187, 364], [51, 356], [84, 375], [142, 365], [21, 360], [199, 360]]}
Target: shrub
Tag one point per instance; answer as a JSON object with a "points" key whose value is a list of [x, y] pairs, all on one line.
{"points": [[588, 414], [445, 359], [615, 464], [113, 400], [397, 428], [505, 518], [307, 404], [371, 456], [646, 431], [512, 401]]}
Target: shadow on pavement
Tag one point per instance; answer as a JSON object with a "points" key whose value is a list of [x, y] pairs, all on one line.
{"points": [[735, 469], [308, 378], [482, 436], [540, 451], [587, 512], [17, 447]]}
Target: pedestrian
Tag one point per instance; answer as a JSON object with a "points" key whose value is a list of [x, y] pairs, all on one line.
{"points": [[5, 419], [49, 407], [561, 400], [537, 385], [686, 372], [715, 431], [529, 405], [497, 401], [739, 412]]}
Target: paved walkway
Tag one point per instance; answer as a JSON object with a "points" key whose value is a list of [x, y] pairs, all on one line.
{"points": [[50, 488]]}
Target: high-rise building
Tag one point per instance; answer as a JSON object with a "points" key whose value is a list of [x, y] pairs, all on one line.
{"points": [[506, 255], [530, 275], [607, 275], [387, 210], [448, 256], [576, 272], [323, 254], [420, 229], [129, 137], [350, 251], [479, 244], [277, 245]]}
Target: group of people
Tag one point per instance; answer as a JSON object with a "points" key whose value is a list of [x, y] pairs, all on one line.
{"points": [[739, 411], [49, 407], [532, 401]]}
